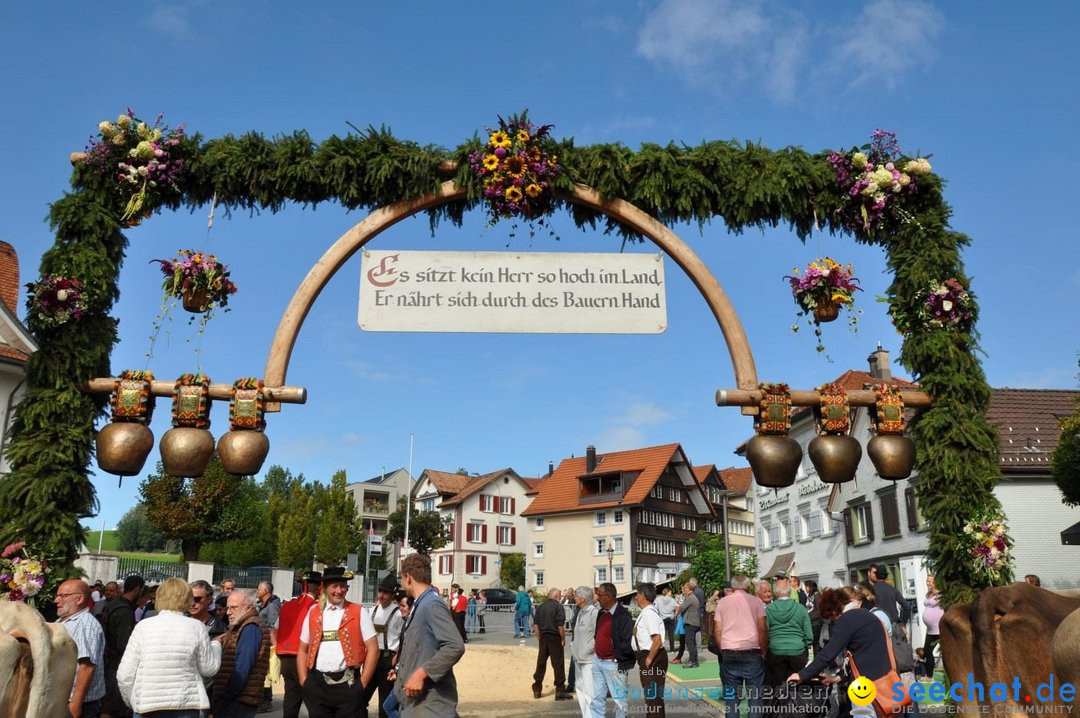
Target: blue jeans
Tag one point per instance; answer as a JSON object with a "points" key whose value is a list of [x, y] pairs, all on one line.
{"points": [[608, 680], [391, 706], [521, 623], [236, 710], [742, 675]]}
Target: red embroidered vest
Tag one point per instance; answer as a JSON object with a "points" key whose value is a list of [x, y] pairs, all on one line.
{"points": [[352, 640]]}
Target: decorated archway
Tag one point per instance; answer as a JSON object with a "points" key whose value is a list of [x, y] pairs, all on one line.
{"points": [[632, 192]]}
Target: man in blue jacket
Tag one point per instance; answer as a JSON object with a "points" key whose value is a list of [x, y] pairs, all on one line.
{"points": [[614, 653], [522, 610]]}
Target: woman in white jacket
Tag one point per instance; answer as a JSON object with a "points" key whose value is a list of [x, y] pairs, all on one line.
{"points": [[583, 647], [167, 657]]}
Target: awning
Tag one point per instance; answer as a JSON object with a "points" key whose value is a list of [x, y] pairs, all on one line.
{"points": [[782, 564], [1071, 536]]}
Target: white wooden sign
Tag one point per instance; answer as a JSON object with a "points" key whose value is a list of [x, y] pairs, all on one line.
{"points": [[538, 292]]}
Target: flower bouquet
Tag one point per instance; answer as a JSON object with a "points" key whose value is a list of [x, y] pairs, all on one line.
{"points": [[54, 301], [945, 305], [516, 170], [822, 289], [876, 178], [144, 159], [199, 280], [986, 541], [22, 576]]}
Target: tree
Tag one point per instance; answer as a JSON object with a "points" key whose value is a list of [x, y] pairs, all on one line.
{"points": [[1065, 461], [427, 530], [197, 510], [338, 530], [296, 528], [512, 570], [709, 564], [135, 531]]}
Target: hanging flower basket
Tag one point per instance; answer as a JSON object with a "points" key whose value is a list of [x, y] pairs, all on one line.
{"points": [[986, 541], [822, 289], [199, 280], [144, 160]]}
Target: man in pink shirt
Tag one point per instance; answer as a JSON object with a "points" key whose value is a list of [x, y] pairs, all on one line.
{"points": [[743, 638]]}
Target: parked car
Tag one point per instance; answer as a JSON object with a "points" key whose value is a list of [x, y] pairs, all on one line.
{"points": [[500, 597]]}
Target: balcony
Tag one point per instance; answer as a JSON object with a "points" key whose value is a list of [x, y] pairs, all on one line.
{"points": [[375, 505]]}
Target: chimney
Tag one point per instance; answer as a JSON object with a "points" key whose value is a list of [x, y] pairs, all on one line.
{"points": [[879, 364], [590, 459], [9, 277], [551, 468]]}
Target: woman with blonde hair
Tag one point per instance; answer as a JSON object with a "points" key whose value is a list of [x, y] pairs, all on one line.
{"points": [[167, 657]]}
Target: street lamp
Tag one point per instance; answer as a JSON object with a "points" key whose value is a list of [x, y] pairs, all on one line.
{"points": [[610, 558]]}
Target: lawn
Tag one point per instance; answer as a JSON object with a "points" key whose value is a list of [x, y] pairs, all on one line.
{"points": [[108, 546]]}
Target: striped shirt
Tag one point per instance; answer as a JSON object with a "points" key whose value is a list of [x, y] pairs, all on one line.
{"points": [[89, 638]]}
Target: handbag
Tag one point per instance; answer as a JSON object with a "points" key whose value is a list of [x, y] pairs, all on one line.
{"points": [[713, 646], [905, 657], [885, 702], [680, 628]]}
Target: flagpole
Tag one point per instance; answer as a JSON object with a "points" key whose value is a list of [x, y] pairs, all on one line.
{"points": [[408, 499]]}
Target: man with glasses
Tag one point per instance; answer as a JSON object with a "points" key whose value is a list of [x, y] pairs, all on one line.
{"points": [[202, 596], [614, 653], [245, 659], [72, 610]]}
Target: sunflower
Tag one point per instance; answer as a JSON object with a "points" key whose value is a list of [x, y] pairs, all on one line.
{"points": [[523, 136], [535, 155], [513, 194], [514, 165], [533, 190], [499, 139], [491, 162]]}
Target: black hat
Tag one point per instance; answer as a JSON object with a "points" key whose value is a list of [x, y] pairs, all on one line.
{"points": [[389, 584], [335, 574], [311, 576]]}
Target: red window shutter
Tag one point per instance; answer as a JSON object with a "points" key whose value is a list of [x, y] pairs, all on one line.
{"points": [[513, 535], [451, 530], [449, 564], [513, 506], [468, 532], [483, 534], [483, 565]]}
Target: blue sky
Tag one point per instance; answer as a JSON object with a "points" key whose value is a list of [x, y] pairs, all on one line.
{"points": [[988, 89]]}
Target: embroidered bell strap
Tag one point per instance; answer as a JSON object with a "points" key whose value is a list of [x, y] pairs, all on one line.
{"points": [[834, 413], [191, 401], [888, 409], [774, 409], [131, 399], [248, 405], [330, 636]]}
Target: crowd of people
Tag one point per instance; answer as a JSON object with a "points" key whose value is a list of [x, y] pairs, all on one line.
{"points": [[168, 651], [767, 635]]}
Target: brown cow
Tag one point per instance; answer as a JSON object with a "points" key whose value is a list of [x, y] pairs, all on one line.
{"points": [[1005, 636], [37, 664]]}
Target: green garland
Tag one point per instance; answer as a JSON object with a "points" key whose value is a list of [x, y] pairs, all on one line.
{"points": [[744, 185]]}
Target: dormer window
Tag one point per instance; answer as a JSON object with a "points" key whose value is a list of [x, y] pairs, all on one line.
{"points": [[601, 486]]}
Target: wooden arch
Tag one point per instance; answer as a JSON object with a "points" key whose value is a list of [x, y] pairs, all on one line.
{"points": [[277, 364]]}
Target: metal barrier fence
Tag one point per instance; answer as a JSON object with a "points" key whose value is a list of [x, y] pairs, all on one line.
{"points": [[153, 572], [243, 577]]}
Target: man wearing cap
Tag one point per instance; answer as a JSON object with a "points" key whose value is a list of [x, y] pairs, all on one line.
{"points": [[338, 652], [388, 622], [289, 623]]}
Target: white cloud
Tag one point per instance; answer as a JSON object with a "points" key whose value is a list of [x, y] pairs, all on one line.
{"points": [[171, 20], [726, 46], [628, 426], [913, 29]]}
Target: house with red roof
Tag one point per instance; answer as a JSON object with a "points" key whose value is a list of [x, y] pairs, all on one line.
{"points": [[16, 345], [729, 491], [485, 525], [620, 517]]}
